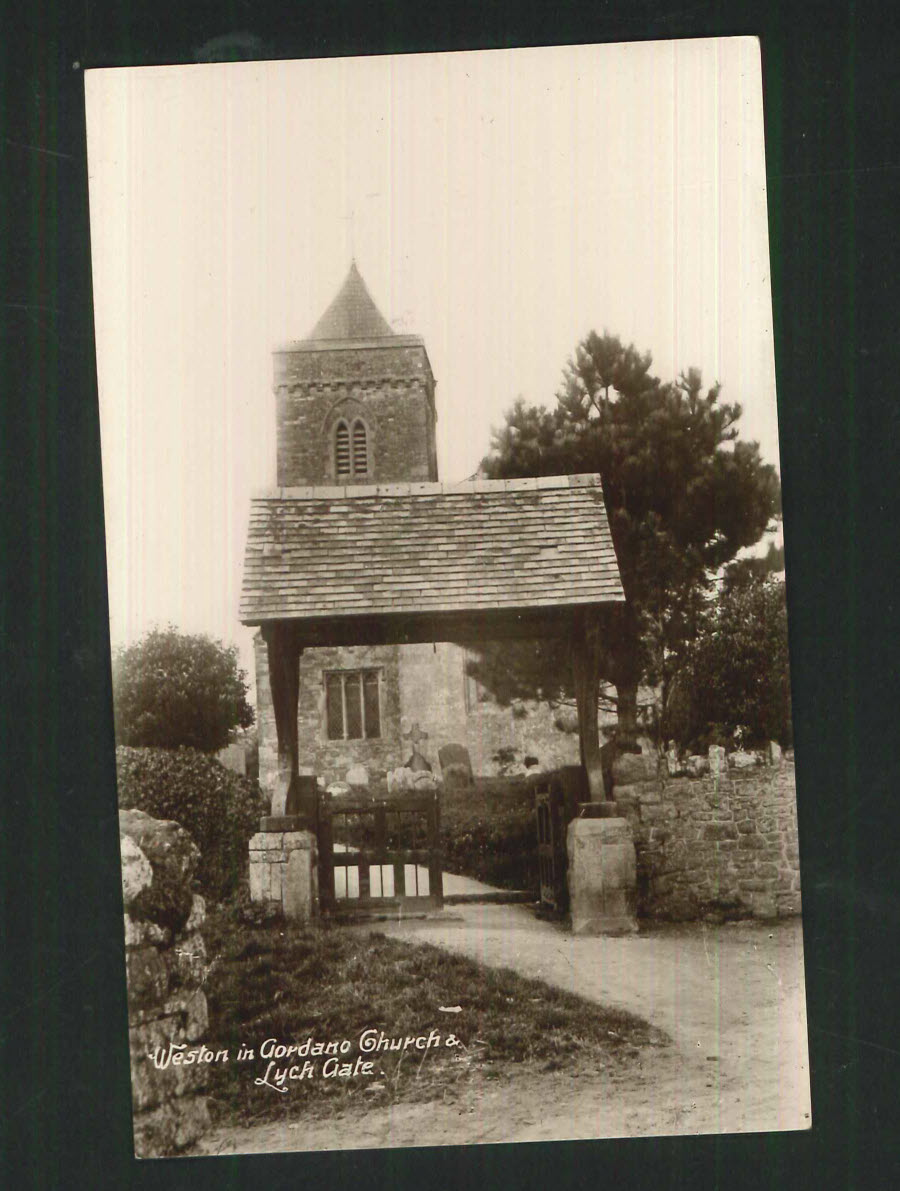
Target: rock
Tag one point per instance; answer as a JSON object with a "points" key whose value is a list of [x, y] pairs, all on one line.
{"points": [[417, 763], [566, 720], [742, 760], [147, 975], [173, 857], [197, 915], [697, 765], [674, 766], [138, 932], [357, 775], [424, 781], [399, 779], [171, 1127], [716, 759], [456, 766], [137, 872]]}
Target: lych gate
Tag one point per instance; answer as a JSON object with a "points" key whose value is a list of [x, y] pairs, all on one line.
{"points": [[361, 546], [403, 563]]}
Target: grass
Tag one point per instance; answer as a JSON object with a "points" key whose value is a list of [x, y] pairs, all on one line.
{"points": [[332, 983]]}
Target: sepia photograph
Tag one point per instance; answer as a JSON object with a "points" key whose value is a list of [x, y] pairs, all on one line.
{"points": [[451, 684]]}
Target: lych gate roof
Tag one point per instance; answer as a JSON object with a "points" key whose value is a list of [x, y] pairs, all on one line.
{"points": [[414, 548], [353, 314]]}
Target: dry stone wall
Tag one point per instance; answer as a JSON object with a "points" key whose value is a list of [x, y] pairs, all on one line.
{"points": [[165, 962], [719, 845]]}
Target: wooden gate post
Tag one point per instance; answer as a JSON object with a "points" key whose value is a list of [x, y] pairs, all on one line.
{"points": [[284, 652], [585, 660]]}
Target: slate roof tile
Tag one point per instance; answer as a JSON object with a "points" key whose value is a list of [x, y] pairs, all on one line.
{"points": [[428, 548]]}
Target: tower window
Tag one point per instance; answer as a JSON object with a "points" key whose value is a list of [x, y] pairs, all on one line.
{"points": [[342, 450], [351, 449], [360, 453]]}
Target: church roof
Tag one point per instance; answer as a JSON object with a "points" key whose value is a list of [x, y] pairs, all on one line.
{"points": [[426, 547], [352, 314]]}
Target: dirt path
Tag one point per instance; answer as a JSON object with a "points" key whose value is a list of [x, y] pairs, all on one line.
{"points": [[730, 997]]}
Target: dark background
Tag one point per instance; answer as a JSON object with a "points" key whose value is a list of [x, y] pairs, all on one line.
{"points": [[833, 164]]}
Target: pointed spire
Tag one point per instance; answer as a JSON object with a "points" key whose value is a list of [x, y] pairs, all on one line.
{"points": [[353, 314]]}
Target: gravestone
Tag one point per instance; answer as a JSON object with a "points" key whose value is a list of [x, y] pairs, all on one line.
{"points": [[716, 759], [456, 766]]}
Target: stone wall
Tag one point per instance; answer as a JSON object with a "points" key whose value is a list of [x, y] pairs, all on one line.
{"points": [[722, 846], [165, 964]]}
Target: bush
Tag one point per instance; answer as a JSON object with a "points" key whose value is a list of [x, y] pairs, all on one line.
{"points": [[489, 832], [219, 808], [736, 674], [173, 689]]}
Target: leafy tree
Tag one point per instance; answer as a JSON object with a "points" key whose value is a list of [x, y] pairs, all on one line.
{"points": [[683, 495], [736, 674], [172, 689]]}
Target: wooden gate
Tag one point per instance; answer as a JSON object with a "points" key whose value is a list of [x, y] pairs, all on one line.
{"points": [[375, 854], [556, 798]]}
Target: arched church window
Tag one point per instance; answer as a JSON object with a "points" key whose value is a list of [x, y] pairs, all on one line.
{"points": [[360, 449], [342, 449]]}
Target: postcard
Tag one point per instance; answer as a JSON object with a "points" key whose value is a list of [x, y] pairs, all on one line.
{"points": [[456, 783]]}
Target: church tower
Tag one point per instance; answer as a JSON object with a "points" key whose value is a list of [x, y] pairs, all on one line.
{"points": [[355, 400]]}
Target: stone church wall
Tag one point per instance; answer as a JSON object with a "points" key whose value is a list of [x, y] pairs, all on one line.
{"points": [[422, 684], [390, 389], [330, 759]]}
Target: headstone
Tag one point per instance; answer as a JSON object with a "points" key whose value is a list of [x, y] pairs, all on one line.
{"points": [[400, 779], [716, 759], [673, 761], [456, 766], [697, 765], [338, 789], [357, 775], [774, 752], [424, 781], [742, 760]]}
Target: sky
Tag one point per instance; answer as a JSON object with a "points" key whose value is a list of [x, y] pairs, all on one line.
{"points": [[499, 203]]}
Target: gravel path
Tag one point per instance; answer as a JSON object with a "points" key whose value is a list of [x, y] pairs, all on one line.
{"points": [[731, 998]]}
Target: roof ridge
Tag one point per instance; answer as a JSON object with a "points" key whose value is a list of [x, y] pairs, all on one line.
{"points": [[429, 488]]}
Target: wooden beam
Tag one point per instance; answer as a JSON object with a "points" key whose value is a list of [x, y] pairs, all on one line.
{"points": [[586, 676], [283, 649]]}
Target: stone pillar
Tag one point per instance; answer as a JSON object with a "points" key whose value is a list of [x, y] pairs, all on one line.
{"points": [[602, 876], [284, 873]]}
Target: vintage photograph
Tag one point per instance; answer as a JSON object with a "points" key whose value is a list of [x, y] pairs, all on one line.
{"points": [[456, 785]]}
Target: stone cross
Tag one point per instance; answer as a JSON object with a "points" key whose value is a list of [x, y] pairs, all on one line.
{"points": [[416, 735]]}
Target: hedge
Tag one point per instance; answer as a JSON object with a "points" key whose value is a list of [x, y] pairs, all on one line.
{"points": [[219, 808]]}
